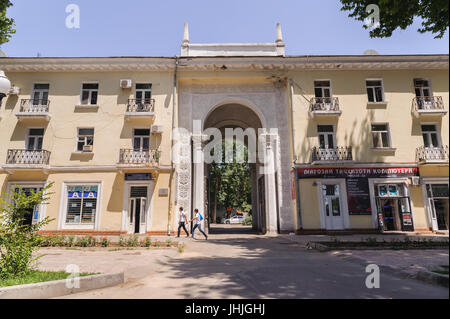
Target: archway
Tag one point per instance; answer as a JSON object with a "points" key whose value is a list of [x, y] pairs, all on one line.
{"points": [[239, 121]]}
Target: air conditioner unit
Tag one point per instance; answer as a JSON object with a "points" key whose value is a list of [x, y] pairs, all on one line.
{"points": [[88, 148], [415, 180], [156, 129], [125, 84], [15, 90]]}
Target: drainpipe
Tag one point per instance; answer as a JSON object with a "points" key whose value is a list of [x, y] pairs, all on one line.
{"points": [[172, 168], [294, 149]]}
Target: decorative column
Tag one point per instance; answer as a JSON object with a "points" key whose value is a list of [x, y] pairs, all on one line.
{"points": [[269, 170], [185, 43], [199, 172]]}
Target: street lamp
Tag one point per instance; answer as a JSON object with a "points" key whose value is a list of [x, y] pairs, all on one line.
{"points": [[5, 86]]}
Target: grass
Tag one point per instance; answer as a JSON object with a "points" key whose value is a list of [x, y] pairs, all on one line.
{"points": [[36, 276]]}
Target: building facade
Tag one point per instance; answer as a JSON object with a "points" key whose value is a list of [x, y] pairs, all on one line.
{"points": [[344, 143]]}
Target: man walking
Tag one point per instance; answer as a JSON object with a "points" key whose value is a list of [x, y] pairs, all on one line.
{"points": [[182, 222], [198, 223]]}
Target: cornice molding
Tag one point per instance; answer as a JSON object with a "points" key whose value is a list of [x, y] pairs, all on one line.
{"points": [[360, 62]]}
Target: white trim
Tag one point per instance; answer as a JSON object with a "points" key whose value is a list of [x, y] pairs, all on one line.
{"points": [[438, 131], [126, 195], [27, 137], [387, 180], [388, 130], [90, 91], [29, 184], [342, 200], [63, 206], [382, 91], [426, 202], [334, 134]]}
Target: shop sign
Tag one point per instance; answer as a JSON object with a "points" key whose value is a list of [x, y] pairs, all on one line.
{"points": [[367, 172]]}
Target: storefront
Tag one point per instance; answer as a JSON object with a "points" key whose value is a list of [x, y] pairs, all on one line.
{"points": [[376, 198]]}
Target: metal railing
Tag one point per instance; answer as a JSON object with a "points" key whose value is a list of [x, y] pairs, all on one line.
{"points": [[131, 156], [424, 154], [141, 105], [33, 157], [428, 103], [324, 104], [332, 154], [35, 106]]}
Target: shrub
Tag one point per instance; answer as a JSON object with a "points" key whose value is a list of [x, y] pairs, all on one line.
{"points": [[17, 239], [248, 221], [70, 241], [122, 241], [133, 241], [168, 243], [146, 242], [105, 242]]}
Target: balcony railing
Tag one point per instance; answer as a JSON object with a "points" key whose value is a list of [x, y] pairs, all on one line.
{"points": [[34, 106], [324, 105], [140, 105], [432, 154], [139, 157], [26, 157], [332, 154], [428, 105]]}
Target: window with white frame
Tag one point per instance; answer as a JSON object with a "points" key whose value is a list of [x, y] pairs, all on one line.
{"points": [[375, 91], [322, 90], [82, 202], [89, 94], [430, 136], [380, 135], [85, 139], [143, 92], [35, 139], [40, 93], [326, 136], [422, 88]]}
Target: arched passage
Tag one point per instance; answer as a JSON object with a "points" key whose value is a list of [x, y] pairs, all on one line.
{"points": [[242, 120]]}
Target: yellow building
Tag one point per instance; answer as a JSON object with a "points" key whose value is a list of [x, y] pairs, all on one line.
{"points": [[356, 143]]}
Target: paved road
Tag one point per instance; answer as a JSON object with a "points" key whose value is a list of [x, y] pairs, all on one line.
{"points": [[245, 265]]}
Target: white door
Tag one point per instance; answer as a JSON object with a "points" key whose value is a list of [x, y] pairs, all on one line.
{"points": [[423, 93], [40, 97], [334, 219], [137, 210], [143, 96], [327, 142], [322, 90]]}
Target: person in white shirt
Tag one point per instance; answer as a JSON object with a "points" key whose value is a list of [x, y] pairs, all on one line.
{"points": [[182, 222], [198, 223]]}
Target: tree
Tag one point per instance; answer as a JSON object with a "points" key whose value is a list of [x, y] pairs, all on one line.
{"points": [[18, 240], [6, 24], [230, 181], [400, 14]]}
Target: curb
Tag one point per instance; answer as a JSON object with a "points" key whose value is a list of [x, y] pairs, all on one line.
{"points": [[424, 276], [432, 278], [58, 288]]}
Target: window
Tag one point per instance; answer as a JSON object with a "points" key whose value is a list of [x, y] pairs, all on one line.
{"points": [[143, 92], [375, 91], [89, 94], [35, 138], [422, 88], [81, 204], [40, 94], [141, 140], [85, 138], [380, 136], [322, 90], [430, 136], [326, 136]]}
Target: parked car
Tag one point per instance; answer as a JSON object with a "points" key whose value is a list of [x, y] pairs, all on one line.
{"points": [[238, 219]]}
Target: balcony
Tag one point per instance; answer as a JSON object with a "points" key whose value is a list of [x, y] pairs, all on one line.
{"points": [[428, 106], [432, 155], [130, 158], [27, 159], [331, 155], [324, 106], [140, 109], [34, 109]]}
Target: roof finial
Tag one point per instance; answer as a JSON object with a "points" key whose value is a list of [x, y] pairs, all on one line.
{"points": [[186, 34], [279, 34]]}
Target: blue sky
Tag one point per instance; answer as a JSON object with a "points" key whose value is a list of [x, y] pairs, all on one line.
{"points": [[155, 28]]}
